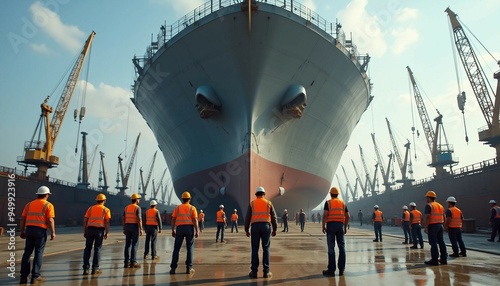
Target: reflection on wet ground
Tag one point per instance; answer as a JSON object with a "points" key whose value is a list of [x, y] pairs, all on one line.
{"points": [[296, 259]]}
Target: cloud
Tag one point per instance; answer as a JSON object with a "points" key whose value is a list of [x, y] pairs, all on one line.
{"points": [[406, 14], [403, 38], [40, 48], [181, 7], [70, 37]]}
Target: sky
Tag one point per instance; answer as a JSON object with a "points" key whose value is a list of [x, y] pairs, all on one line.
{"points": [[40, 41]]}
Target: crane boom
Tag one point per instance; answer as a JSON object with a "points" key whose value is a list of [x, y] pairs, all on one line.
{"points": [[363, 189], [125, 176], [102, 175], [367, 173], [403, 165], [385, 175], [145, 185]]}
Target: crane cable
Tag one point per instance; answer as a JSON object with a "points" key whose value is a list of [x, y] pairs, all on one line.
{"points": [[413, 120], [82, 102]]}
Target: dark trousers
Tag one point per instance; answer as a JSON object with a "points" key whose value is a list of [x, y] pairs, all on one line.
{"points": [[416, 234], [302, 225], [377, 227], [455, 236], [285, 225], [406, 231], [36, 237], [260, 232], [201, 225], [131, 242], [220, 230], [495, 227], [95, 236], [435, 236], [234, 224], [151, 234], [187, 232], [335, 231]]}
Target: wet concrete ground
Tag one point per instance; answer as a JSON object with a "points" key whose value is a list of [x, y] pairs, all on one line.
{"points": [[296, 259]]}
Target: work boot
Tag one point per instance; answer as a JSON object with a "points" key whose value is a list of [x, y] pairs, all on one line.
{"points": [[85, 271], [328, 273], [463, 254], [252, 275], [375, 240], [126, 265], [492, 240], [24, 280], [414, 247], [135, 265], [172, 271], [145, 256], [155, 257], [432, 262], [38, 279], [96, 271], [190, 271], [268, 274], [454, 255], [341, 272], [443, 261]]}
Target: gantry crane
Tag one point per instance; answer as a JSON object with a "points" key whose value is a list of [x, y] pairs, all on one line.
{"points": [[477, 78], [403, 166], [37, 152], [385, 175], [363, 186], [145, 185], [369, 184], [125, 176], [103, 179], [441, 152]]}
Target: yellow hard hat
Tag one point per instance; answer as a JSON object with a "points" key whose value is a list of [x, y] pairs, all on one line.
{"points": [[430, 194], [334, 191], [135, 196], [186, 195], [100, 197]]}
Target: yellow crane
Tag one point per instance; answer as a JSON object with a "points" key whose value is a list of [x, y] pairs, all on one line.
{"points": [[38, 153]]}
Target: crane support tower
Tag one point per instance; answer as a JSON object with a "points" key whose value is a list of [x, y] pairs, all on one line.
{"points": [[403, 165], [491, 133], [441, 152], [103, 179], [37, 152]]}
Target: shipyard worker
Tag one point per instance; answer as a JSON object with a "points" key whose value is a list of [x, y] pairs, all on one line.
{"points": [[184, 225], [284, 219], [153, 227], [453, 224], [302, 219], [201, 221], [95, 230], [234, 220], [433, 226], [334, 224], [360, 217], [261, 217], [132, 228], [221, 224], [377, 221], [416, 226], [494, 220], [37, 216], [405, 225]]}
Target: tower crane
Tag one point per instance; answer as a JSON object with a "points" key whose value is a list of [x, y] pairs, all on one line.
{"points": [[103, 180], [385, 175], [491, 133], [441, 152], [403, 166], [38, 153], [363, 186], [145, 185], [125, 176]]}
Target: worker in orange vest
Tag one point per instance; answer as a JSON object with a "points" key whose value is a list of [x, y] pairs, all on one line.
{"points": [[234, 220], [416, 226], [37, 216], [261, 216], [132, 228], [453, 225], [334, 225], [405, 225], [153, 227], [433, 226], [221, 224], [494, 221], [201, 221], [184, 225], [377, 221], [95, 230]]}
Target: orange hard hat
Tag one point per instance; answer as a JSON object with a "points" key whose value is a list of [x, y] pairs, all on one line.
{"points": [[100, 197], [430, 194], [135, 196], [334, 191]]}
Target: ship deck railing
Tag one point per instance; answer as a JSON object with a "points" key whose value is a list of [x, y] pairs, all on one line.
{"points": [[333, 29]]}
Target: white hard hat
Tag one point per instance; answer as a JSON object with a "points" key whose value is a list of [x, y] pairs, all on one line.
{"points": [[405, 207], [451, 200], [43, 190], [201, 211], [260, 190], [221, 206], [235, 210], [285, 210], [412, 204], [375, 206], [493, 202], [153, 203]]}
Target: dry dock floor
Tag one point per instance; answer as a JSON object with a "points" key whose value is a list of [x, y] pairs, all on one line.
{"points": [[297, 258]]}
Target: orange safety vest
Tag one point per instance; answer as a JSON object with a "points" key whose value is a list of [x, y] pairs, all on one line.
{"points": [[201, 217], [36, 213], [151, 217], [407, 215], [497, 209], [261, 210], [96, 216], [417, 217], [456, 218], [336, 211], [183, 214], [131, 213], [437, 213], [234, 217], [221, 216], [378, 216]]}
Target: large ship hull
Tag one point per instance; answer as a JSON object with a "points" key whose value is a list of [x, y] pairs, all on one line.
{"points": [[250, 63]]}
